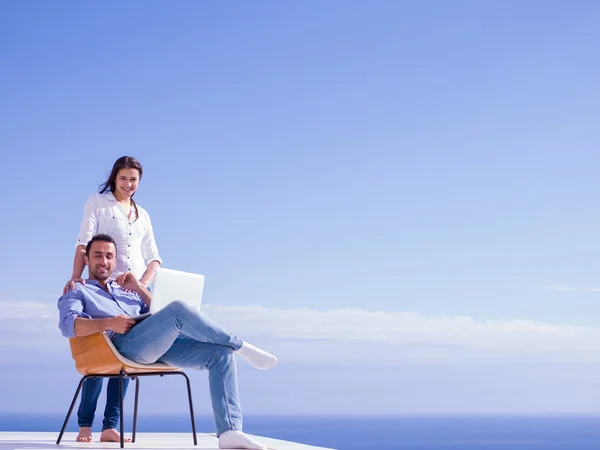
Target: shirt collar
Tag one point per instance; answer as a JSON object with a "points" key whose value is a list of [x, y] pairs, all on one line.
{"points": [[110, 196], [95, 283]]}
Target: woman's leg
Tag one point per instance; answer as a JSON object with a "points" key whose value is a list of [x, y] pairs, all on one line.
{"points": [[87, 408], [112, 412]]}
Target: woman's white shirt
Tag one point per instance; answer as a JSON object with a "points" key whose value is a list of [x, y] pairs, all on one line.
{"points": [[136, 246]]}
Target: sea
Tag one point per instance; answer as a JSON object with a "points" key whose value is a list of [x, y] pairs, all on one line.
{"points": [[377, 432]]}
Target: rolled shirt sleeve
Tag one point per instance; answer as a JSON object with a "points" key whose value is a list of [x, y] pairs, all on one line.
{"points": [[89, 224], [70, 307], [144, 308], [149, 248]]}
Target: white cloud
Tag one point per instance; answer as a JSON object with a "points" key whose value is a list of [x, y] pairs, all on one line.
{"points": [[570, 288], [409, 337], [29, 331], [350, 336]]}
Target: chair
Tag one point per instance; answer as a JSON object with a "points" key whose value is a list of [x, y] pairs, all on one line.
{"points": [[96, 357]]}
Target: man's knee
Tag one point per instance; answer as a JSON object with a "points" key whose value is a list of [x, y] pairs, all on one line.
{"points": [[222, 354]]}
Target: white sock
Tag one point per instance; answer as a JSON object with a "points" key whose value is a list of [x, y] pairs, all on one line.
{"points": [[256, 357], [236, 439]]}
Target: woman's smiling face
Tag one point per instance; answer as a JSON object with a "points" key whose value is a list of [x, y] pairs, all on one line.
{"points": [[127, 182]]}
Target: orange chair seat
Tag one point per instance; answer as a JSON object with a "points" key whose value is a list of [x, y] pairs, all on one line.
{"points": [[96, 355]]}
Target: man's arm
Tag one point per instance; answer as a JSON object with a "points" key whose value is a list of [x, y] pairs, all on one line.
{"points": [[74, 322], [119, 324], [70, 308]]}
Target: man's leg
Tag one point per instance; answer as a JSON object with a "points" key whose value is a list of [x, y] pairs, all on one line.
{"points": [[222, 377], [112, 411], [87, 408], [150, 339]]}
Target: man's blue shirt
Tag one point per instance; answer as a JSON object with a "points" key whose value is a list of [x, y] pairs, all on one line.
{"points": [[90, 301]]}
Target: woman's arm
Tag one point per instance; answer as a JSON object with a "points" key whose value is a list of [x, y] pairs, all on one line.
{"points": [[78, 262], [150, 253], [78, 266], [88, 228], [148, 276]]}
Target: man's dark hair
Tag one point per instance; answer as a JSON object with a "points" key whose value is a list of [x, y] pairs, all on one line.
{"points": [[101, 238]]}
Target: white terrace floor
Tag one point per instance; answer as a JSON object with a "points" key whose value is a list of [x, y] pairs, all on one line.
{"points": [[43, 441]]}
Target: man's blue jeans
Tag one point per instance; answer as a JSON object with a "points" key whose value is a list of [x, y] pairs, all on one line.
{"points": [[181, 336], [89, 400]]}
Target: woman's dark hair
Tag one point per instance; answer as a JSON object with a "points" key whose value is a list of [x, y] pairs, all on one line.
{"points": [[124, 162]]}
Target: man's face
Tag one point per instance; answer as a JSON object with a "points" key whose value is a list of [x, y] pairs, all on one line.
{"points": [[102, 260]]}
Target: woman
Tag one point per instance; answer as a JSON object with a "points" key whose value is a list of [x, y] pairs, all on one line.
{"points": [[114, 212]]}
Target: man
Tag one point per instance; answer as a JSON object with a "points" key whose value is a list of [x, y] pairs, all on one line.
{"points": [[178, 335]]}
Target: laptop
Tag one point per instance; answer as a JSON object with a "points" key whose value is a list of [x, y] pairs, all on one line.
{"points": [[170, 285]]}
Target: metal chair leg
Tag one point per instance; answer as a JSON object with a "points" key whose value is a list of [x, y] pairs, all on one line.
{"points": [[135, 407], [121, 373], [62, 430], [189, 390], [121, 376]]}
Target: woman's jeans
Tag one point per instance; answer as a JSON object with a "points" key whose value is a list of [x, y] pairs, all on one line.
{"points": [[89, 400], [181, 336]]}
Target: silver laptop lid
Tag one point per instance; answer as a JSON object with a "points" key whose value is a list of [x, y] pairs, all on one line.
{"points": [[170, 285]]}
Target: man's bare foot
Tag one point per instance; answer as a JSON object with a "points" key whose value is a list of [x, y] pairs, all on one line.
{"points": [[85, 434], [111, 435]]}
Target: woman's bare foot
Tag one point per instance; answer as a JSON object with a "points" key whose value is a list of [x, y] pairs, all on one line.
{"points": [[85, 434], [111, 435]]}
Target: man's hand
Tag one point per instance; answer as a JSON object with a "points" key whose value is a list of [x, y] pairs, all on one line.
{"points": [[128, 282], [120, 324]]}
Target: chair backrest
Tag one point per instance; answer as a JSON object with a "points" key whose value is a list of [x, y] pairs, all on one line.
{"points": [[96, 355]]}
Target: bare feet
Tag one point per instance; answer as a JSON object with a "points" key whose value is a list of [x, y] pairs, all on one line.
{"points": [[111, 435], [85, 434]]}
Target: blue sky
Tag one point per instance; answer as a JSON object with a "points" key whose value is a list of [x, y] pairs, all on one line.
{"points": [[399, 166]]}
